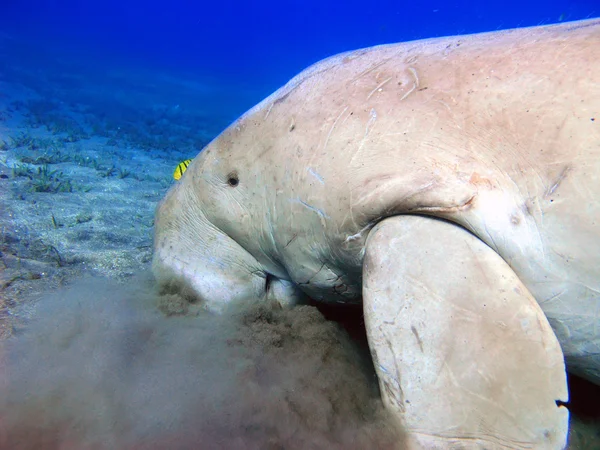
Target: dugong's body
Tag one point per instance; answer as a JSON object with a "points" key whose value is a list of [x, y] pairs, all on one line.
{"points": [[497, 134]]}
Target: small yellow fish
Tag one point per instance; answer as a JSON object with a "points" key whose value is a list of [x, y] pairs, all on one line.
{"points": [[181, 167]]}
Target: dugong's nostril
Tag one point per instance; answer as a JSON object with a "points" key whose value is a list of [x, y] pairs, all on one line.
{"points": [[233, 179]]}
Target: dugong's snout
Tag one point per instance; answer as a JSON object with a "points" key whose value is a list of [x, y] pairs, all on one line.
{"points": [[193, 256]]}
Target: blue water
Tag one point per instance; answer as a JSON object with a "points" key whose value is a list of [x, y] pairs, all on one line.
{"points": [[258, 43]]}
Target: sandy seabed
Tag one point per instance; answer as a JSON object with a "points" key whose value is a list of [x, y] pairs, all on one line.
{"points": [[92, 356]]}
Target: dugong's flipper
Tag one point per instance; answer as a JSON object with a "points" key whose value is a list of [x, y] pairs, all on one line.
{"points": [[464, 355]]}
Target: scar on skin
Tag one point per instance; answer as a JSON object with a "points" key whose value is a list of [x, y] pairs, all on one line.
{"points": [[269, 110], [479, 181], [314, 275], [333, 126], [414, 331], [527, 207], [352, 56], [359, 234], [400, 397], [411, 59], [577, 27], [559, 180], [291, 240], [316, 175], [447, 209], [379, 87], [415, 83], [372, 118], [320, 213], [282, 98], [369, 70]]}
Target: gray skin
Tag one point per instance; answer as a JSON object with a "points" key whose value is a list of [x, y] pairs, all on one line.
{"points": [[497, 133]]}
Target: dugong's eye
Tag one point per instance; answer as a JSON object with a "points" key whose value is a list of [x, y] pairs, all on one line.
{"points": [[232, 179]]}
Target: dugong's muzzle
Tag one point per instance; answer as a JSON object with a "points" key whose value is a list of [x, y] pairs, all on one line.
{"points": [[190, 252]]}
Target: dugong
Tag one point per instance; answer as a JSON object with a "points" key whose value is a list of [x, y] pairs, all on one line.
{"points": [[451, 185]]}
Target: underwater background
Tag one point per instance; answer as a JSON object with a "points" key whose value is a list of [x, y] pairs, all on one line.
{"points": [[99, 103], [250, 48]]}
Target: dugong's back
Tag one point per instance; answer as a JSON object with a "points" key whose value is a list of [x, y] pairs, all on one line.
{"points": [[499, 133]]}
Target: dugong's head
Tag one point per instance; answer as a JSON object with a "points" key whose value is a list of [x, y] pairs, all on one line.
{"points": [[210, 228]]}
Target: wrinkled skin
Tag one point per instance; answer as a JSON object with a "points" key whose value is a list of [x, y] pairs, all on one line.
{"points": [[498, 133]]}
